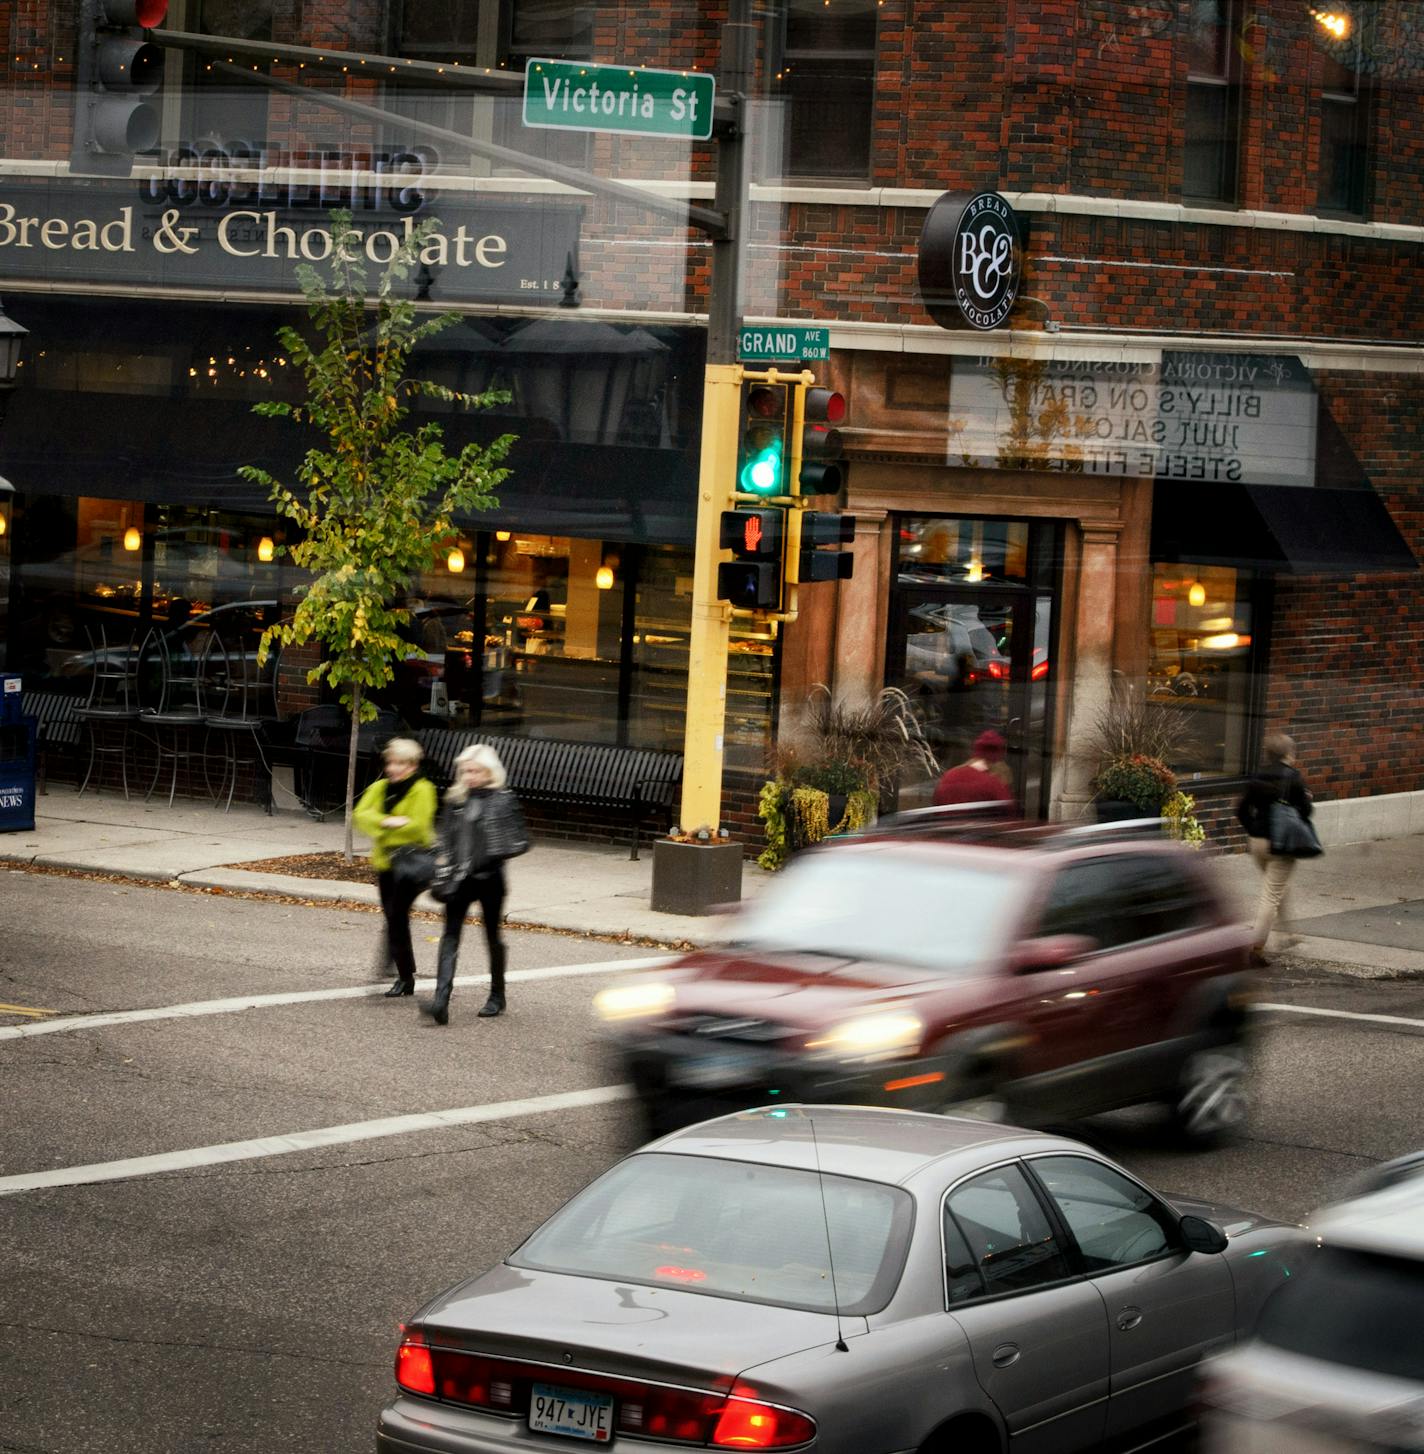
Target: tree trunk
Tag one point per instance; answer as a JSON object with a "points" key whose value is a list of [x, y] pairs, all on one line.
{"points": [[351, 763]]}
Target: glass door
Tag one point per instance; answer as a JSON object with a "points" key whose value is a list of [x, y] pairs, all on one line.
{"points": [[970, 644]]}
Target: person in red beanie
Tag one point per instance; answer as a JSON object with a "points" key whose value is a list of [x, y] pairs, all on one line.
{"points": [[978, 780]]}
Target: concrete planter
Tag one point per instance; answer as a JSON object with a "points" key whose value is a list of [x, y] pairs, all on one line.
{"points": [[695, 878]]}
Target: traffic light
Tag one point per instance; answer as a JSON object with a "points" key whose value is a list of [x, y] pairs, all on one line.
{"points": [[761, 466], [119, 72], [821, 528], [751, 580], [821, 452]]}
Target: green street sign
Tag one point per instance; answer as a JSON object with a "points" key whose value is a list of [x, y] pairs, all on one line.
{"points": [[580, 96], [792, 344]]}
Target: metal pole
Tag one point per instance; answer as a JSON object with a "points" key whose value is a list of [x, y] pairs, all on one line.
{"points": [[721, 409]]}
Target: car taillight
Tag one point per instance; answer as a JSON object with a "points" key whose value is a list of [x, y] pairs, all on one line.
{"points": [[668, 1413], [467, 1378], [746, 1424], [998, 671], [1040, 670], [415, 1369]]}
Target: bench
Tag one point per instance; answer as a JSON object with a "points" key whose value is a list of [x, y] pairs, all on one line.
{"points": [[634, 780], [58, 727]]}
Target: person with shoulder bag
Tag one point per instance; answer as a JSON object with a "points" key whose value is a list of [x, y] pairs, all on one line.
{"points": [[481, 826], [1275, 811], [397, 813]]}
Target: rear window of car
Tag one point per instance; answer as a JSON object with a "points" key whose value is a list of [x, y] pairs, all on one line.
{"points": [[922, 909], [732, 1229], [1356, 1309]]}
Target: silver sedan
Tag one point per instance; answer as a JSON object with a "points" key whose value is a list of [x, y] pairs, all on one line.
{"points": [[845, 1280]]}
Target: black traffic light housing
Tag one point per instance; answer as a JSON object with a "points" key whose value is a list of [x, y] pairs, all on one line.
{"points": [[822, 452], [819, 529], [119, 73], [751, 580], [763, 457]]}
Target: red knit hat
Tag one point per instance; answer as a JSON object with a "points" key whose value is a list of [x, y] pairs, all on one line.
{"points": [[990, 746]]}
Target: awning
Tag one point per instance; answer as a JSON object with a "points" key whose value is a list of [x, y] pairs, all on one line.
{"points": [[1292, 529]]}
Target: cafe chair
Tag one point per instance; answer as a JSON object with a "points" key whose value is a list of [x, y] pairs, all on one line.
{"points": [[111, 710]]}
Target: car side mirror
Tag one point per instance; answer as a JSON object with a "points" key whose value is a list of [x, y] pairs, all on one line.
{"points": [[1199, 1235], [1052, 951]]}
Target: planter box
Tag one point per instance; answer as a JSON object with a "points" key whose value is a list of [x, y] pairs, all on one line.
{"points": [[695, 878]]}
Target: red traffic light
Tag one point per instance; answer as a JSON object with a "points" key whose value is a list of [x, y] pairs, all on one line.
{"points": [[825, 406]]}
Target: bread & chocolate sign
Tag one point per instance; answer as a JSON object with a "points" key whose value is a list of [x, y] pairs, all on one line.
{"points": [[971, 260], [476, 250]]}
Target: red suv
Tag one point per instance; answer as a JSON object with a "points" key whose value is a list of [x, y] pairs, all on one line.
{"points": [[1021, 972]]}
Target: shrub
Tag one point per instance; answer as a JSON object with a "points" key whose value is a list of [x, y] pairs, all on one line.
{"points": [[1145, 782]]}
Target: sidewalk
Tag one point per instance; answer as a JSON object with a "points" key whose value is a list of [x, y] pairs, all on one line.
{"points": [[1359, 909]]}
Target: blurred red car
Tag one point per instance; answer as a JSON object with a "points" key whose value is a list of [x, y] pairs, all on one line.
{"points": [[1028, 973]]}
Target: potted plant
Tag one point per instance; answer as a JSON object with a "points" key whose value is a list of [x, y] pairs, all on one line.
{"points": [[1133, 741], [830, 781], [1133, 785]]}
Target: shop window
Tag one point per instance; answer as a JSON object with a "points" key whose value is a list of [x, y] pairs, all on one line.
{"points": [[582, 640], [492, 33], [941, 550], [824, 73], [1203, 663], [1209, 163], [1344, 112]]}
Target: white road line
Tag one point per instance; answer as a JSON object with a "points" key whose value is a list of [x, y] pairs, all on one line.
{"points": [[197, 1008], [1312, 1010], [317, 1140]]}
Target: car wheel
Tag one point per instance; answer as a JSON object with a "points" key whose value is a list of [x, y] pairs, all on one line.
{"points": [[1212, 1101]]}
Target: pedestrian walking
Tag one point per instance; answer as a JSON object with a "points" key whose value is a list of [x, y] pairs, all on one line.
{"points": [[397, 812], [1276, 784], [480, 827]]}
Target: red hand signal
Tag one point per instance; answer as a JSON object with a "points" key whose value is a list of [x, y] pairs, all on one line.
{"points": [[751, 532]]}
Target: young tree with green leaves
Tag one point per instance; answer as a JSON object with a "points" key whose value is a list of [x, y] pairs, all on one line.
{"points": [[376, 501]]}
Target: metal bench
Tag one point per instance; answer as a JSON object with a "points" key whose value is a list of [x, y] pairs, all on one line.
{"points": [[58, 727], [635, 780]]}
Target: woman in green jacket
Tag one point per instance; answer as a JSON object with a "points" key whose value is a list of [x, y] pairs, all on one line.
{"points": [[396, 811]]}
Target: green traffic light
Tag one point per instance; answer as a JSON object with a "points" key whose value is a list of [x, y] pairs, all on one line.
{"points": [[762, 472]]}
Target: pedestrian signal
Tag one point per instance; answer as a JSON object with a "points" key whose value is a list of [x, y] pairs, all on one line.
{"points": [[751, 580]]}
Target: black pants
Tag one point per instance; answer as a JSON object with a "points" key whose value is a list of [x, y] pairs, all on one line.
{"points": [[487, 890], [395, 905]]}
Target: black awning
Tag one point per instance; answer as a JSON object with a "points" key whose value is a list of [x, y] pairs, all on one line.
{"points": [[1293, 529]]}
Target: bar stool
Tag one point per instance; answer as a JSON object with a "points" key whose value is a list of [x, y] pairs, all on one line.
{"points": [[175, 719], [111, 710]]}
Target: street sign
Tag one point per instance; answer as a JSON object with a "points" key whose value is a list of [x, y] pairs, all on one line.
{"points": [[580, 96], [792, 344]]}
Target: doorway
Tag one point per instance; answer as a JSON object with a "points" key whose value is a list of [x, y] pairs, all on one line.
{"points": [[972, 644]]}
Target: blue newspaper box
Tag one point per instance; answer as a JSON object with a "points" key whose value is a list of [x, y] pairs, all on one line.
{"points": [[17, 761]]}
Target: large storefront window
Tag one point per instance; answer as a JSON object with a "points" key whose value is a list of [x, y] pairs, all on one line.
{"points": [[561, 637], [1202, 663]]}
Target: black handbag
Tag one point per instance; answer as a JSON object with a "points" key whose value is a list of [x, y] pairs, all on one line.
{"points": [[1292, 836], [414, 867]]}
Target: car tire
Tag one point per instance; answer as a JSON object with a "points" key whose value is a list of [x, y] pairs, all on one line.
{"points": [[1211, 1102]]}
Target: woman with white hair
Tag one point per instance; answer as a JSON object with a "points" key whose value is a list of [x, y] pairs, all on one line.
{"points": [[397, 811], [480, 827]]}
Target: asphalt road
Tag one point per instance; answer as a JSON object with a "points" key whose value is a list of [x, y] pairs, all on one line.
{"points": [[252, 1304]]}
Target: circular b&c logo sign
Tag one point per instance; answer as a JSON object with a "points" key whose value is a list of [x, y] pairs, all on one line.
{"points": [[971, 259]]}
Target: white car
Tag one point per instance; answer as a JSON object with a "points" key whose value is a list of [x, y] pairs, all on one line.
{"points": [[1337, 1364]]}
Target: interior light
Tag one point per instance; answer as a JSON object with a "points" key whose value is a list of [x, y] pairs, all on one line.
{"points": [[604, 578], [1197, 594], [265, 548], [501, 535], [975, 573], [4, 526], [132, 539], [1225, 641], [455, 561]]}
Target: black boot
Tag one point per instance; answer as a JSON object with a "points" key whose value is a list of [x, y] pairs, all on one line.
{"points": [[495, 1004], [400, 987], [444, 980]]}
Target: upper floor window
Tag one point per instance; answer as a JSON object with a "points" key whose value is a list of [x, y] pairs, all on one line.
{"points": [[824, 72], [501, 34], [1344, 108], [1209, 164]]}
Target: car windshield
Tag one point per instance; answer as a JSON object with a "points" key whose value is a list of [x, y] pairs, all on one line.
{"points": [[732, 1229], [1353, 1308], [920, 909]]}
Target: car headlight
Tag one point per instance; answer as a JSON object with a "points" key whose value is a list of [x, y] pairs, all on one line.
{"points": [[879, 1036], [633, 1001]]}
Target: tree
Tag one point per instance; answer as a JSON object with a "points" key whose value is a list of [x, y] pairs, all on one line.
{"points": [[376, 501]]}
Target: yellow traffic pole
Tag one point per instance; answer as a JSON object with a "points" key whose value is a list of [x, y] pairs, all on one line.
{"points": [[711, 618]]}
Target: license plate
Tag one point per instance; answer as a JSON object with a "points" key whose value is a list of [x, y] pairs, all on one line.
{"points": [[718, 1068], [571, 1412]]}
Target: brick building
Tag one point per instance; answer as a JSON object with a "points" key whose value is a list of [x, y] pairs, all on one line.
{"points": [[1187, 461]]}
